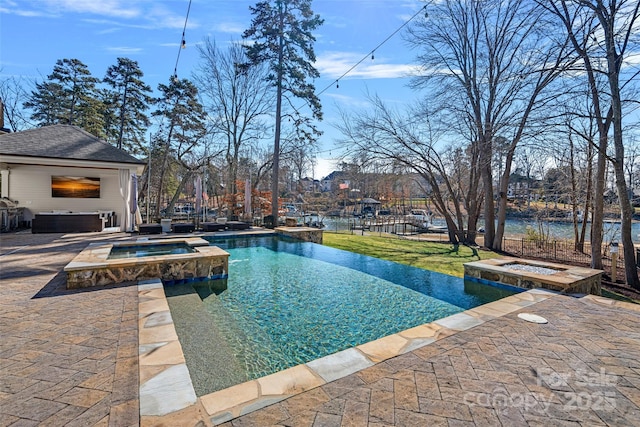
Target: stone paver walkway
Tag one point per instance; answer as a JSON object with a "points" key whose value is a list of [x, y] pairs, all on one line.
{"points": [[66, 358], [71, 359], [582, 368]]}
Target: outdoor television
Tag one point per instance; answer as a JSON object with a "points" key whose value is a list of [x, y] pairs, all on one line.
{"points": [[78, 187]]}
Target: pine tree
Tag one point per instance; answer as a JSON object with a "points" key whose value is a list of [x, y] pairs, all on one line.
{"points": [[129, 100], [44, 103], [68, 95], [282, 34]]}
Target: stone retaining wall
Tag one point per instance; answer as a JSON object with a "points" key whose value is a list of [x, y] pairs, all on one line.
{"points": [[568, 279], [92, 268], [307, 234]]}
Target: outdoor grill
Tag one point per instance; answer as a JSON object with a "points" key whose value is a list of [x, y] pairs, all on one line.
{"points": [[10, 215]]}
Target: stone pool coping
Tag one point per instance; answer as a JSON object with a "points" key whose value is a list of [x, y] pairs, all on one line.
{"points": [[97, 253], [167, 394]]}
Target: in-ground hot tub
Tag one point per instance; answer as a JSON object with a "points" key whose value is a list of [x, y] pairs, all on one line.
{"points": [[530, 274], [140, 251], [166, 259]]}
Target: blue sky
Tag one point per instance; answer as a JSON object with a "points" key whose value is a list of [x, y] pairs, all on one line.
{"points": [[36, 33]]}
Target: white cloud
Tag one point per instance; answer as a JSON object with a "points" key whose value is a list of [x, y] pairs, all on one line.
{"points": [[229, 27], [143, 14], [20, 12], [335, 64], [174, 45], [108, 31], [113, 8], [347, 101], [161, 17], [124, 50]]}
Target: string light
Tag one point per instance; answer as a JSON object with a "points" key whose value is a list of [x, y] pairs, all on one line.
{"points": [[183, 44], [371, 53]]}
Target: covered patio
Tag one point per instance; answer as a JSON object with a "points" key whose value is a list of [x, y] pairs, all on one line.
{"points": [[67, 180]]}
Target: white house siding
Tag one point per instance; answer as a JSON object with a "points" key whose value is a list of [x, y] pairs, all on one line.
{"points": [[30, 186]]}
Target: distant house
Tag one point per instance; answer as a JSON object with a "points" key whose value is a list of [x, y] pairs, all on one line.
{"points": [[310, 184], [520, 187], [332, 181], [62, 169]]}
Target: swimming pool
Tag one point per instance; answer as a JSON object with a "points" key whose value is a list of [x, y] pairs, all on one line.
{"points": [[289, 302]]}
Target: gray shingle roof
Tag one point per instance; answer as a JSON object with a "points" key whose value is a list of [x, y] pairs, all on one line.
{"points": [[62, 142]]}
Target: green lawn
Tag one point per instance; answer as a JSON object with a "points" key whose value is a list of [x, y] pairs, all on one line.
{"points": [[440, 257], [435, 256]]}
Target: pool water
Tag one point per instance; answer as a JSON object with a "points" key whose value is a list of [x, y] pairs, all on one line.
{"points": [[138, 251], [289, 302]]}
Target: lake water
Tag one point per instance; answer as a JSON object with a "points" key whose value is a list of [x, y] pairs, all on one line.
{"points": [[564, 230], [518, 227]]}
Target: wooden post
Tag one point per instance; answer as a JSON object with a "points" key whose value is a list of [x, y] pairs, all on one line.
{"points": [[614, 261]]}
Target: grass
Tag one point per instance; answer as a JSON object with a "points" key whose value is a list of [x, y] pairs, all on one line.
{"points": [[435, 256], [617, 296]]}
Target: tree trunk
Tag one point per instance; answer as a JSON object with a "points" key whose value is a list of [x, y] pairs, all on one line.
{"points": [[502, 200], [614, 61], [473, 201], [452, 230], [630, 269], [232, 175], [489, 207], [440, 204], [472, 226], [163, 170], [276, 142], [122, 113], [187, 176], [587, 202], [597, 226], [574, 196]]}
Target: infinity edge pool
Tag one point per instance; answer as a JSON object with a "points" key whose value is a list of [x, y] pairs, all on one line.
{"points": [[166, 390]]}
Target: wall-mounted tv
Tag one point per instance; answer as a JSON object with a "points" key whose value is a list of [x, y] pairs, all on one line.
{"points": [[79, 187]]}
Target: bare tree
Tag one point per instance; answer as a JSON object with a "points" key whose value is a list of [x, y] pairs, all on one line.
{"points": [[408, 139], [603, 35], [237, 100], [632, 163], [488, 63], [586, 137], [13, 94], [300, 161]]}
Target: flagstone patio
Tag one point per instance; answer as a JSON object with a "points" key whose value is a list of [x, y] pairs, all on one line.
{"points": [[70, 358]]}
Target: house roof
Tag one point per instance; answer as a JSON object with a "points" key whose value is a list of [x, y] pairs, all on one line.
{"points": [[370, 201], [62, 142], [333, 175]]}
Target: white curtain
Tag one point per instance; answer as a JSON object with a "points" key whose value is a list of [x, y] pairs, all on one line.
{"points": [[133, 199], [125, 193]]}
